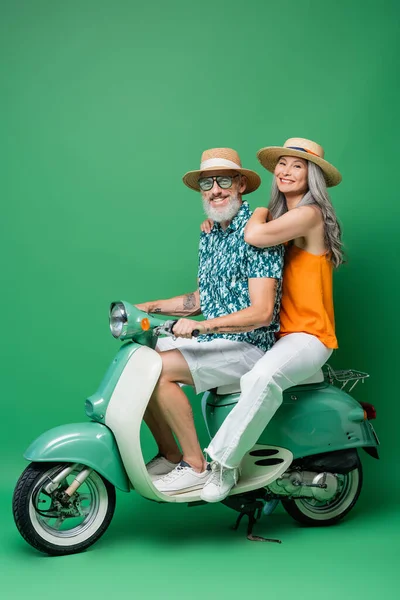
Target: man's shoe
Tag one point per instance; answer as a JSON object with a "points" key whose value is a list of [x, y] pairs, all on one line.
{"points": [[182, 479], [220, 483], [159, 466]]}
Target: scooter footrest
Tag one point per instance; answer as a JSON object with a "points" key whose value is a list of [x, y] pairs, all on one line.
{"points": [[261, 466]]}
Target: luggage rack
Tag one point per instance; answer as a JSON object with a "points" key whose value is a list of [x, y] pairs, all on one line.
{"points": [[343, 377]]}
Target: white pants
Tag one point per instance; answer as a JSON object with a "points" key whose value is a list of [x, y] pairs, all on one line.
{"points": [[294, 358]]}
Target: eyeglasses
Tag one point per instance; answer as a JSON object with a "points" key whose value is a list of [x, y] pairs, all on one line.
{"points": [[224, 182]]}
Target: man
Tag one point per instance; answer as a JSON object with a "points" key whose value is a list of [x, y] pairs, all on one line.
{"points": [[239, 295]]}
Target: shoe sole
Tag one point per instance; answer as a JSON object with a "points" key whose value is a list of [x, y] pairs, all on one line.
{"points": [[193, 488], [219, 499]]}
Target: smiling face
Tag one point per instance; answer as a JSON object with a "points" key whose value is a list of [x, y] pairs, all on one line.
{"points": [[223, 204], [291, 175]]}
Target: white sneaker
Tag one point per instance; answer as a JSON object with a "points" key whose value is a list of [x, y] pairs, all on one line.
{"points": [[220, 483], [159, 466], [182, 479]]}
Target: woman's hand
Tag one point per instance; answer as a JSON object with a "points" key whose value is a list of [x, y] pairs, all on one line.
{"points": [[207, 225], [262, 214], [184, 328]]}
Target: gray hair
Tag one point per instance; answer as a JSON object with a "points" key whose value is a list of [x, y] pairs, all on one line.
{"points": [[317, 194]]}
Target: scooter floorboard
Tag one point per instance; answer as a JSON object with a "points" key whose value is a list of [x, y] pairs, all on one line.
{"points": [[260, 466]]}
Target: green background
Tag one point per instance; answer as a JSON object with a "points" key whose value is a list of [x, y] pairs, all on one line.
{"points": [[104, 106]]}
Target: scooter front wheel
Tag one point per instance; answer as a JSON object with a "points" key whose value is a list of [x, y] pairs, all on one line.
{"points": [[311, 512], [54, 525]]}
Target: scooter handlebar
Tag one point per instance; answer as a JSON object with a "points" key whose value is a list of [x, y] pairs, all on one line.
{"points": [[195, 332]]}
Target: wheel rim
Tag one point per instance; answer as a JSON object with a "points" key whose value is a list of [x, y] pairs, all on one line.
{"points": [[321, 511], [64, 530]]}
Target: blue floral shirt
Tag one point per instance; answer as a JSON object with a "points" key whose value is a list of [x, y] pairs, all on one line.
{"points": [[226, 263]]}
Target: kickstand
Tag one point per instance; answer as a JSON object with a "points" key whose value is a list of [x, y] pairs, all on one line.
{"points": [[253, 517]]}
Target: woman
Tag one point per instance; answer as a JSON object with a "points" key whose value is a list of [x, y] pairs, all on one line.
{"points": [[301, 216]]}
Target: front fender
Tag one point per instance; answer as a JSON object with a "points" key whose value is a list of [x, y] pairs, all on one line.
{"points": [[91, 444]]}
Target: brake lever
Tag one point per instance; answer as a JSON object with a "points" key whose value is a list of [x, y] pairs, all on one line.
{"points": [[165, 328], [168, 329]]}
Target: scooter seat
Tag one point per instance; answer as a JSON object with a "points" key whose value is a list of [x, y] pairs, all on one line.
{"points": [[234, 388]]}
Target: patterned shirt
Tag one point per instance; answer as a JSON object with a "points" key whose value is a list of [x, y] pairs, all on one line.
{"points": [[226, 263]]}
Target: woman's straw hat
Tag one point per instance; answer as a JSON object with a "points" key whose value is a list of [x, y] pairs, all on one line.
{"points": [[305, 149], [221, 159]]}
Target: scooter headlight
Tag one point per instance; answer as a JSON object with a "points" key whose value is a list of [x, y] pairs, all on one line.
{"points": [[118, 319]]}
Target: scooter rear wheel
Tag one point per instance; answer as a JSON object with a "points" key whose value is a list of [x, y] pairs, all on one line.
{"points": [[311, 512], [54, 528]]}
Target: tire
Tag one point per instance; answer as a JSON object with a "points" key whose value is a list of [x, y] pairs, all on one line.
{"points": [[311, 512], [52, 538]]}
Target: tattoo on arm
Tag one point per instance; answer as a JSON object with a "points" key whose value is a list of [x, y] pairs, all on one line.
{"points": [[231, 329], [189, 301], [190, 306]]}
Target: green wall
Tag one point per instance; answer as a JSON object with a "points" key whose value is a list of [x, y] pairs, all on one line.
{"points": [[105, 105]]}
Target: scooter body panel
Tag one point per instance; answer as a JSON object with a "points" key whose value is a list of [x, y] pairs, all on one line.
{"points": [[96, 405], [312, 419], [125, 413], [91, 444]]}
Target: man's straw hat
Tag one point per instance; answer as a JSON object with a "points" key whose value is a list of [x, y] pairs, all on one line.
{"points": [[221, 159], [305, 149]]}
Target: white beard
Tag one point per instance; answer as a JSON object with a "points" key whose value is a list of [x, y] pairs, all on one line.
{"points": [[225, 214]]}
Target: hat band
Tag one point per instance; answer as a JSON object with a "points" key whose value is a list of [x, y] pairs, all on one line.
{"points": [[303, 150], [218, 162]]}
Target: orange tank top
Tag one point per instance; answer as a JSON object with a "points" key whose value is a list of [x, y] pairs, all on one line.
{"points": [[307, 298]]}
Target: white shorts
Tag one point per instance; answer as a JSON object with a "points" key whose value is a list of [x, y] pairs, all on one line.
{"points": [[214, 363]]}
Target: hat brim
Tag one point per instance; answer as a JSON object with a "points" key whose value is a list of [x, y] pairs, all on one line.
{"points": [[270, 156], [253, 179]]}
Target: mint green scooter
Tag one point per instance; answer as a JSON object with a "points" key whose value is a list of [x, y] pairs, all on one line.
{"points": [[307, 457]]}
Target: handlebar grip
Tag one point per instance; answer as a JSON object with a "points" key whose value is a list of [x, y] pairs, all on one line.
{"points": [[195, 332]]}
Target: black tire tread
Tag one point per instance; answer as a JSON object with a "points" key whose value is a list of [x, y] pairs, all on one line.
{"points": [[20, 507]]}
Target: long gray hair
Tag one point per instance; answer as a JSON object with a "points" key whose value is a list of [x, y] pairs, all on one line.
{"points": [[317, 194]]}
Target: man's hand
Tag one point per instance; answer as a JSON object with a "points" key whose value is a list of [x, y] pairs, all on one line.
{"points": [[184, 328], [207, 225]]}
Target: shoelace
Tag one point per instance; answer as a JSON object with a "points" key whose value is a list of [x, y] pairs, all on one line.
{"points": [[218, 473], [216, 468], [173, 474]]}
